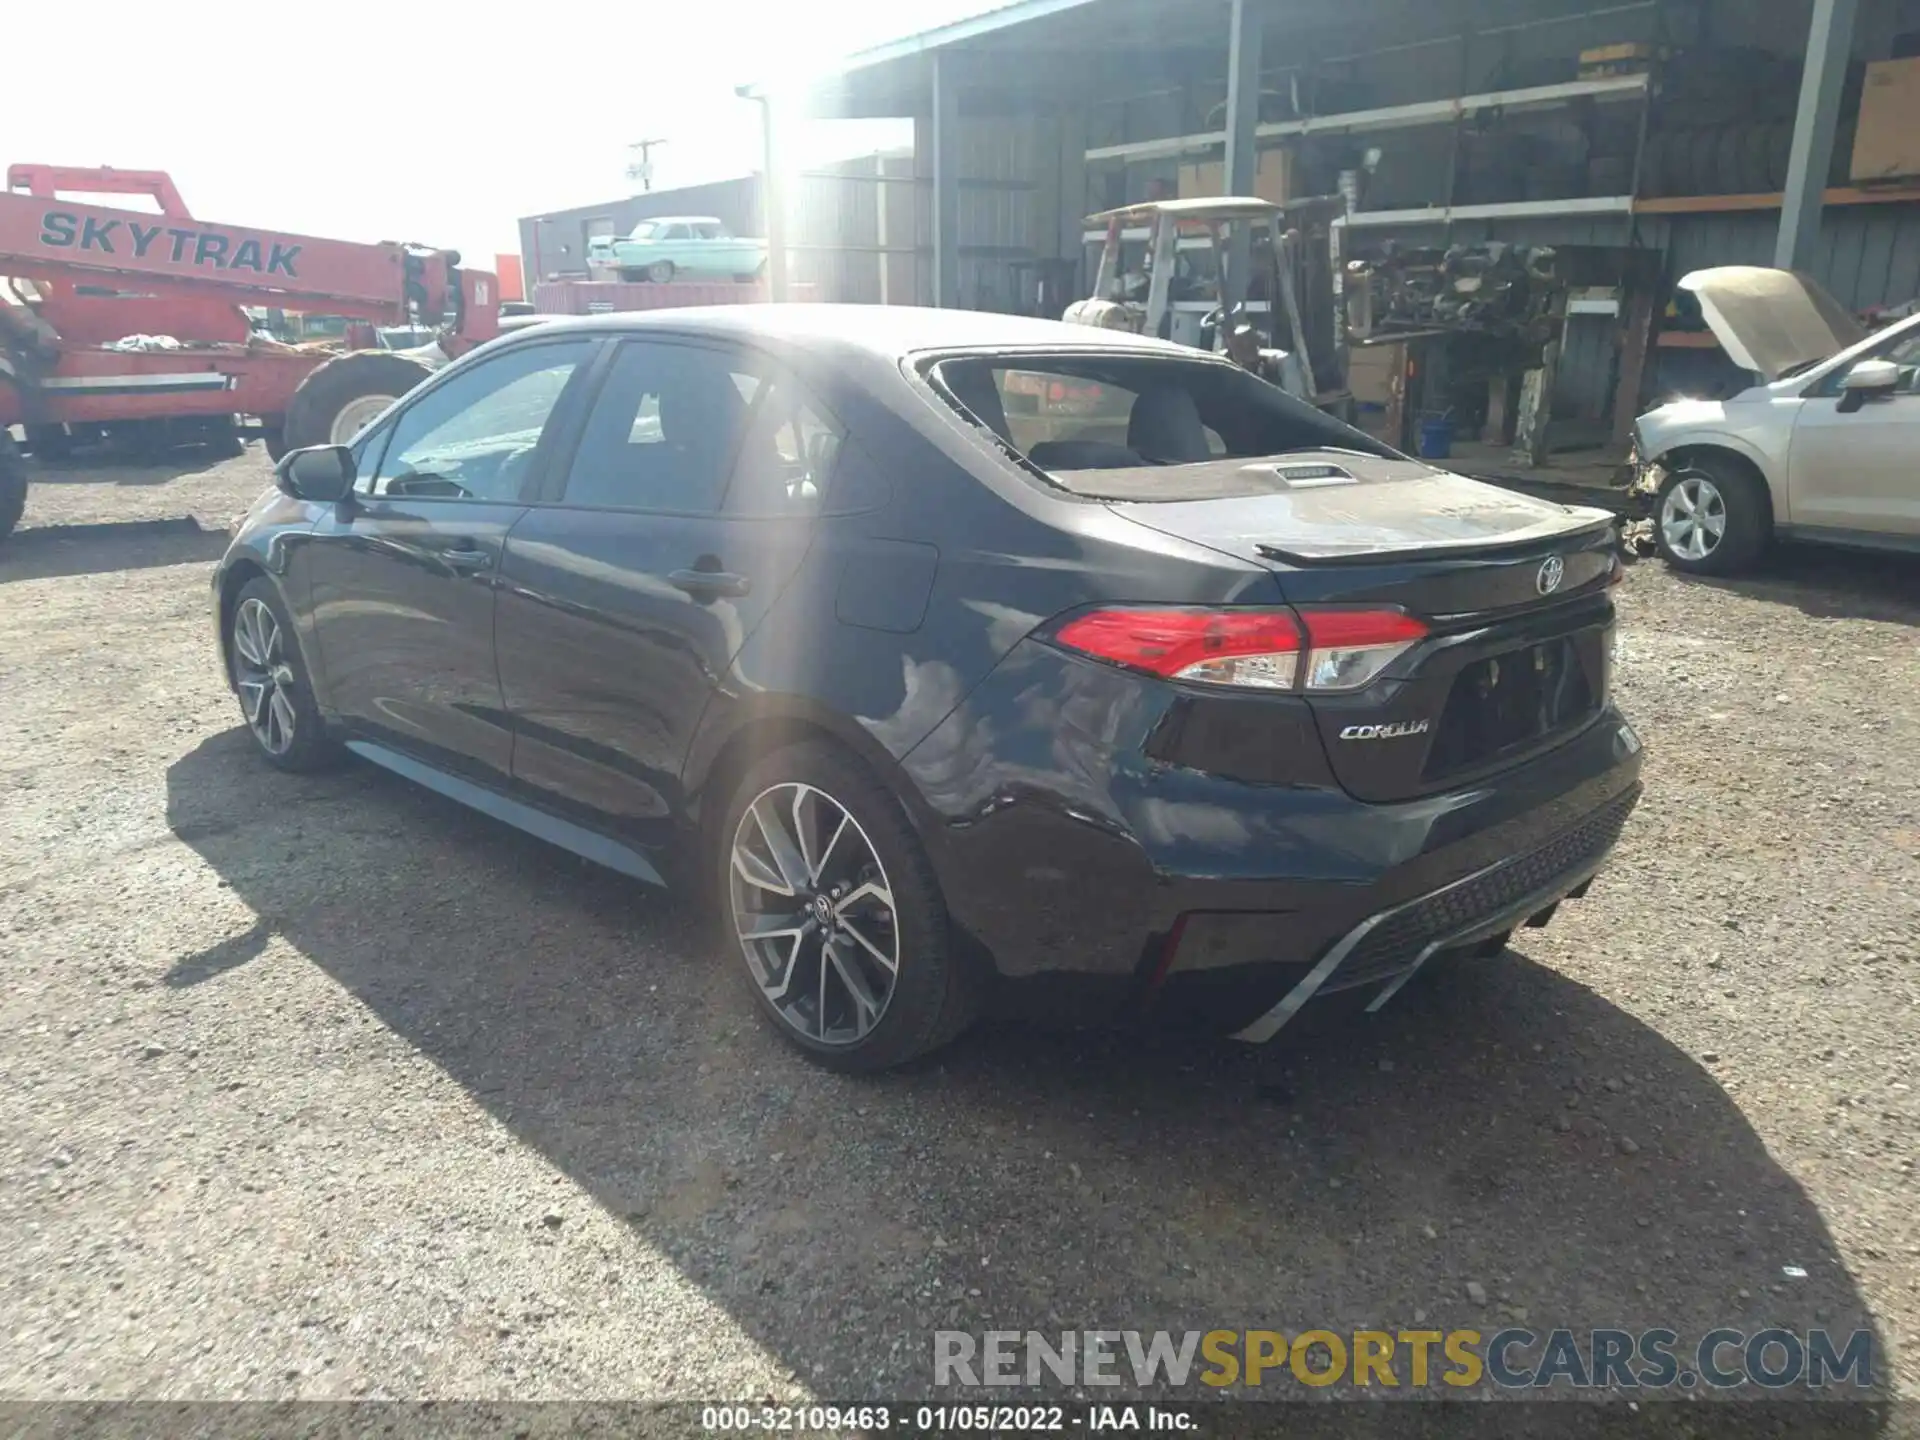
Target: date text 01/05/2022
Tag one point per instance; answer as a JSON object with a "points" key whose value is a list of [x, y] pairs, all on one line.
{"points": [[942, 1419]]}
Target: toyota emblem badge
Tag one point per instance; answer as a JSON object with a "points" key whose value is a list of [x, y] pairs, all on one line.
{"points": [[1552, 570]]}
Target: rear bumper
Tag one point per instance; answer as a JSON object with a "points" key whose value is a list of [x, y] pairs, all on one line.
{"points": [[1102, 883], [1388, 948]]}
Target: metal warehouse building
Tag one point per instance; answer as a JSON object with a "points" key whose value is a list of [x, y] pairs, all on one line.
{"points": [[1683, 133], [1666, 134]]}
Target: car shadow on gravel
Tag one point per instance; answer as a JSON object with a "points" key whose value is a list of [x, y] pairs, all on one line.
{"points": [[1504, 1149], [48, 552], [1832, 584]]}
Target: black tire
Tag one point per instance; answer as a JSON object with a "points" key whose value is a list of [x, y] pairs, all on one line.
{"points": [[311, 748], [274, 437], [1753, 160], [49, 444], [326, 392], [1745, 515], [1729, 176], [660, 272], [935, 994], [1779, 153], [13, 485]]}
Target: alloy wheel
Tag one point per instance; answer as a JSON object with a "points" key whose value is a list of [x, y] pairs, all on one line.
{"points": [[1693, 518], [263, 676], [814, 914]]}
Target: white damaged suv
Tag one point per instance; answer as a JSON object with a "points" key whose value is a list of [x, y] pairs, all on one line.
{"points": [[1826, 449]]}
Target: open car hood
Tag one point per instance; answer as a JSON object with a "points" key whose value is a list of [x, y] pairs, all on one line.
{"points": [[1771, 320]]}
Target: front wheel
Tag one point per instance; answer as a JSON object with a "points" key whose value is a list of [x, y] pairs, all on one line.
{"points": [[13, 485], [832, 906], [270, 678], [1711, 519]]}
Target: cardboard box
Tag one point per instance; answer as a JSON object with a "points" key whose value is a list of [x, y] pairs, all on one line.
{"points": [[1632, 58], [1208, 178], [1614, 54], [1374, 372], [1886, 145]]}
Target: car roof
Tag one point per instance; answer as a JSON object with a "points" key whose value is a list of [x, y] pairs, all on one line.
{"points": [[891, 331], [679, 220]]}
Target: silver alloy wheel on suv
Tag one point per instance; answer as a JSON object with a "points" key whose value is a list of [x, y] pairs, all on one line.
{"points": [[1694, 517], [813, 911], [262, 676]]}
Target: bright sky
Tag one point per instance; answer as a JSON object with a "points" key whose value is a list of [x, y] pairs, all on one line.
{"points": [[407, 120]]}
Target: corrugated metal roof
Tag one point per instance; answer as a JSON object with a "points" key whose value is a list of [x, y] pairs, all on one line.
{"points": [[973, 27]]}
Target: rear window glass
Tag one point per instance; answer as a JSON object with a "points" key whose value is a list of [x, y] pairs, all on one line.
{"points": [[1141, 427]]}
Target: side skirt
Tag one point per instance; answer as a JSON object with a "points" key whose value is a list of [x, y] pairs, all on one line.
{"points": [[587, 844]]}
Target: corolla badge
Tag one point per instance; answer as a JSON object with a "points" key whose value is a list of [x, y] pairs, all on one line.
{"points": [[1552, 571], [1399, 730]]}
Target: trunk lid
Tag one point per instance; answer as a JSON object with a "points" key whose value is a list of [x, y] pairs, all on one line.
{"points": [[1514, 591], [1330, 507]]}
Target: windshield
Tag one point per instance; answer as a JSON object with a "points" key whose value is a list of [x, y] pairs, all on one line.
{"points": [[1140, 426]]}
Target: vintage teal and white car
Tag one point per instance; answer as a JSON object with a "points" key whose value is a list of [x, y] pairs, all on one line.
{"points": [[697, 246]]}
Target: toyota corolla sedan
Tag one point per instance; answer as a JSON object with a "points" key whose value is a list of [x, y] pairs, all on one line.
{"points": [[957, 660]]}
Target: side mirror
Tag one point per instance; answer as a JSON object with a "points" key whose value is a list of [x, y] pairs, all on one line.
{"points": [[1869, 380], [323, 474]]}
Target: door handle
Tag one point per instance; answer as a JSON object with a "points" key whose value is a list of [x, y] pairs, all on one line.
{"points": [[710, 584], [466, 558]]}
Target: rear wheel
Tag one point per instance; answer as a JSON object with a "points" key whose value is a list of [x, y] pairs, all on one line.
{"points": [[13, 485], [345, 395], [1711, 518], [49, 444], [833, 908], [660, 272], [225, 442]]}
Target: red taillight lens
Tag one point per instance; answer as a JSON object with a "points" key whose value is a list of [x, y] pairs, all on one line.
{"points": [[1262, 649], [1259, 648]]}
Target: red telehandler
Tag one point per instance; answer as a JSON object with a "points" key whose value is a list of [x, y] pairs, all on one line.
{"points": [[128, 323]]}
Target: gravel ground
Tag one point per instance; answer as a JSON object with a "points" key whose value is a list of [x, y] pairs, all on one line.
{"points": [[328, 1088]]}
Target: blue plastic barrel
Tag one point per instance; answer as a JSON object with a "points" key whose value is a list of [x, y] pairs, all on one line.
{"points": [[1436, 438]]}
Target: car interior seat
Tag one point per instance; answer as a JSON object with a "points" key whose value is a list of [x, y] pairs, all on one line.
{"points": [[1165, 427]]}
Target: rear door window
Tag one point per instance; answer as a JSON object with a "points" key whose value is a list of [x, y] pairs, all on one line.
{"points": [[663, 433], [789, 452]]}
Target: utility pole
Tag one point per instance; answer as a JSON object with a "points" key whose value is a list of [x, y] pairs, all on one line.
{"points": [[642, 168]]}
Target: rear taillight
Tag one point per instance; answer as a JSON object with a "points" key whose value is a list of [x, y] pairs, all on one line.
{"points": [[1351, 647], [1257, 649]]}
